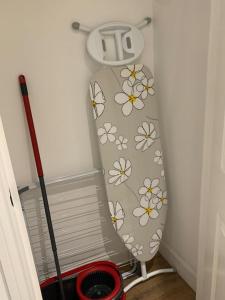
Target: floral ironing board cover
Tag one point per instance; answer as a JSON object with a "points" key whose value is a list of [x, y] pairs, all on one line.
{"points": [[126, 114]]}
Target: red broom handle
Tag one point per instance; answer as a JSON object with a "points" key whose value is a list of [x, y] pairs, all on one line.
{"points": [[30, 122]]}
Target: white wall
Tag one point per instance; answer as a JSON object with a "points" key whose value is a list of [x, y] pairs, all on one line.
{"points": [[36, 39], [180, 48]]}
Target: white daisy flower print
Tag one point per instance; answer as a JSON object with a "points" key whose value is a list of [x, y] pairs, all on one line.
{"points": [[146, 87], [97, 100], [128, 240], [146, 211], [155, 242], [107, 133], [150, 188], [121, 171], [117, 215], [146, 137], [158, 157], [121, 143], [161, 199], [129, 98], [137, 250], [133, 73]]}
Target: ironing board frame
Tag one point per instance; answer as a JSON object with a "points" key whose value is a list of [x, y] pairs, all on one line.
{"points": [[145, 276]]}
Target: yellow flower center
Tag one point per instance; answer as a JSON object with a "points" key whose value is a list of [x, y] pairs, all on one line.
{"points": [[114, 219], [148, 210], [147, 136], [146, 87], [132, 98], [133, 74], [149, 190], [122, 172], [94, 103], [162, 199]]}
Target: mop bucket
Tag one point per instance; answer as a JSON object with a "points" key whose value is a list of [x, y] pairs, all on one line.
{"points": [[97, 280], [101, 281]]}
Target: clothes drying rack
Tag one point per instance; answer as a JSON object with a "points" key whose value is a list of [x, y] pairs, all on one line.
{"points": [[80, 219]]}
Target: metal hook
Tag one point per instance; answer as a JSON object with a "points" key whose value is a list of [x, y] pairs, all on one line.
{"points": [[78, 27]]}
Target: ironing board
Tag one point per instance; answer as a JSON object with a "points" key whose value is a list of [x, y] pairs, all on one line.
{"points": [[125, 110]]}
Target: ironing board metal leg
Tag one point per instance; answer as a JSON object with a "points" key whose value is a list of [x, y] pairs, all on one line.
{"points": [[148, 275]]}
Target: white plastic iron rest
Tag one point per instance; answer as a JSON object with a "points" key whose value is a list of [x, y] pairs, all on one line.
{"points": [[127, 43], [114, 43]]}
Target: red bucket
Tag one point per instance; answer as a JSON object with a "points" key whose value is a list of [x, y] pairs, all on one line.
{"points": [[101, 281]]}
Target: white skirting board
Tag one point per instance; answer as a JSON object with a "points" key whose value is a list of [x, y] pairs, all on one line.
{"points": [[177, 262]]}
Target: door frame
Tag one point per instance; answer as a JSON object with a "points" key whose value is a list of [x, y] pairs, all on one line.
{"points": [[214, 38], [23, 282]]}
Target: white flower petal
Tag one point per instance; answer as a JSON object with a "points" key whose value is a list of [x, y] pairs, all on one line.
{"points": [[151, 82], [138, 104], [154, 214], [99, 109], [121, 98], [122, 163], [140, 75], [131, 68], [151, 91], [127, 87], [155, 182], [141, 130], [103, 139], [125, 73], [113, 129], [147, 182], [152, 127], [142, 190], [118, 207], [159, 205], [101, 131], [146, 146], [113, 179], [139, 138], [144, 219], [140, 144], [99, 98], [128, 164], [127, 108], [139, 87], [144, 81], [117, 165], [128, 172], [114, 172], [138, 67], [111, 137], [107, 126], [144, 94], [139, 211], [97, 88], [119, 224]]}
